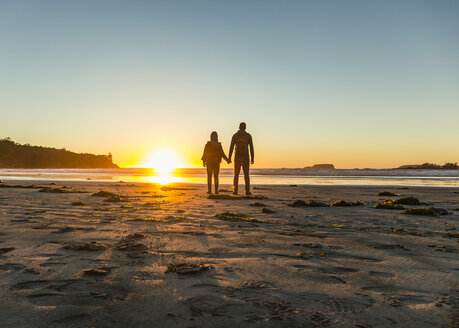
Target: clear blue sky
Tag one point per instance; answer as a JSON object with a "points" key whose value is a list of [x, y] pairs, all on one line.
{"points": [[354, 83]]}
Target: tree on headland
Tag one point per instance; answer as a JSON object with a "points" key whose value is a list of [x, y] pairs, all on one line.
{"points": [[450, 166], [15, 155], [430, 166]]}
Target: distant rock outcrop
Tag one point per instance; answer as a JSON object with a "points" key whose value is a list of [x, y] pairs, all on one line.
{"points": [[15, 155], [321, 167]]}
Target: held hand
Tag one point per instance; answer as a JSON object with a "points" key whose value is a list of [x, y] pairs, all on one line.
{"points": [[228, 161], [251, 162], [204, 164]]}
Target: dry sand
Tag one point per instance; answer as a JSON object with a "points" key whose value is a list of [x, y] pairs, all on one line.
{"points": [[164, 259]]}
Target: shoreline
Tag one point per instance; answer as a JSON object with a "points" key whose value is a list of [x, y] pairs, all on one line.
{"points": [[256, 181]]}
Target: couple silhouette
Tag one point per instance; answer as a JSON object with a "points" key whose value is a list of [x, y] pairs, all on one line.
{"points": [[243, 157]]}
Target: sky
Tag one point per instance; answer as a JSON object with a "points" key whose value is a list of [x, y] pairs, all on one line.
{"points": [[353, 83]]}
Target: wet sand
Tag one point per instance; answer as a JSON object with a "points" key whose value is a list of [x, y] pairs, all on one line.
{"points": [[147, 257]]}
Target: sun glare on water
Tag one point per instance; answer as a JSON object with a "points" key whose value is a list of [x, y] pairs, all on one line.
{"points": [[164, 162]]}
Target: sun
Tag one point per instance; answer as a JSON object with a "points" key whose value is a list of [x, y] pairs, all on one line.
{"points": [[163, 161]]}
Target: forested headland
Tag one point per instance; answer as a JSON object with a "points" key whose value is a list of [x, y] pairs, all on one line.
{"points": [[15, 155]]}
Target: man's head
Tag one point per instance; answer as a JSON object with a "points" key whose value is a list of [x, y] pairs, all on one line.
{"points": [[242, 126]]}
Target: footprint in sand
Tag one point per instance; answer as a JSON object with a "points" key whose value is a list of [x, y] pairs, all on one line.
{"points": [[75, 292], [6, 250], [351, 304], [336, 270], [381, 274]]}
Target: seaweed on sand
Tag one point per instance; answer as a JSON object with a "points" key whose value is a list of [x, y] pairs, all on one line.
{"points": [[174, 219], [345, 203], [337, 226], [70, 229], [315, 203], [309, 203], [450, 226], [103, 193], [188, 268], [396, 204], [298, 203], [152, 204], [131, 243], [92, 246], [258, 204], [132, 246], [235, 197], [115, 199], [387, 205], [267, 210], [236, 217], [79, 204], [60, 190], [254, 197], [133, 236], [6, 185], [225, 197], [429, 211], [110, 196], [410, 200], [309, 245], [100, 271], [406, 231], [386, 193]]}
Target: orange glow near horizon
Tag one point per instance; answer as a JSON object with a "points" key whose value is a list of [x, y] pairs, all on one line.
{"points": [[163, 162]]}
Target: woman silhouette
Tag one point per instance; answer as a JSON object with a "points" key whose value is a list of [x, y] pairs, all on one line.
{"points": [[212, 157]]}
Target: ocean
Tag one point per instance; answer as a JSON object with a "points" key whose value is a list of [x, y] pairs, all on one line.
{"points": [[383, 177]]}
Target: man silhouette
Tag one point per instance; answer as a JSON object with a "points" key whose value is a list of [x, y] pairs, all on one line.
{"points": [[243, 141]]}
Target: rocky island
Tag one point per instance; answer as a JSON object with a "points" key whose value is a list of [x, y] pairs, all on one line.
{"points": [[321, 167]]}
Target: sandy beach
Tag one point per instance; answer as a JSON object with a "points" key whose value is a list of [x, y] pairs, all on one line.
{"points": [[150, 257]]}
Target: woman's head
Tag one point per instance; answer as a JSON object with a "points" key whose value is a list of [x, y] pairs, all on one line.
{"points": [[214, 136]]}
